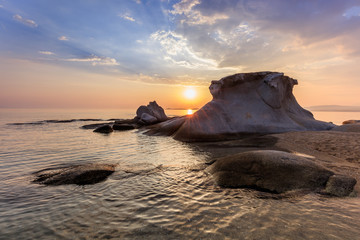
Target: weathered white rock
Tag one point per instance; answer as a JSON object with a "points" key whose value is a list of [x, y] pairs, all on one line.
{"points": [[260, 102]]}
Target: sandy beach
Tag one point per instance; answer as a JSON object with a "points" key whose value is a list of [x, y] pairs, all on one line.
{"points": [[337, 151]]}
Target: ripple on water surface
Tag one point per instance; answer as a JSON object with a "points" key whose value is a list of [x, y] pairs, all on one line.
{"points": [[158, 191]]}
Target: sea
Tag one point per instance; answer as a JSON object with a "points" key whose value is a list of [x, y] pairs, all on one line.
{"points": [[158, 191]]}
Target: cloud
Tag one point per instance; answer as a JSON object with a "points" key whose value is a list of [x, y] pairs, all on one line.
{"points": [[95, 60], [268, 34], [352, 12], [192, 16], [46, 53], [24, 21], [176, 50], [127, 16], [63, 38], [138, 1]]}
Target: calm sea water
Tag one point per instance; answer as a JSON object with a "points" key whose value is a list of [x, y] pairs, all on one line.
{"points": [[159, 189]]}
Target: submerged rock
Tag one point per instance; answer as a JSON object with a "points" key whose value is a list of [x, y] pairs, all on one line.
{"points": [[79, 174], [277, 172], [260, 102], [104, 129]]}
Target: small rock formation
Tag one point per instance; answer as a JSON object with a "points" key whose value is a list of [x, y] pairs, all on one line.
{"points": [[260, 102], [79, 174], [104, 129], [150, 114], [277, 172]]}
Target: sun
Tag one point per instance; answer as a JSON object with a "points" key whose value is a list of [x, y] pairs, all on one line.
{"points": [[190, 93]]}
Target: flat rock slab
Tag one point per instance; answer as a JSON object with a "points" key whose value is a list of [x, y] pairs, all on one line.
{"points": [[78, 174], [269, 170]]}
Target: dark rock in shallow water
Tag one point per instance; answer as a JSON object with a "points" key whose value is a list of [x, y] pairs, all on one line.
{"points": [[79, 174], [269, 170], [127, 121], [104, 129], [123, 127], [94, 125]]}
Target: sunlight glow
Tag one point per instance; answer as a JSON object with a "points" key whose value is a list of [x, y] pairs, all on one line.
{"points": [[190, 93], [190, 112]]}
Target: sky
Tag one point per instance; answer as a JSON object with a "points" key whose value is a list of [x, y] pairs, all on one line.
{"points": [[122, 54]]}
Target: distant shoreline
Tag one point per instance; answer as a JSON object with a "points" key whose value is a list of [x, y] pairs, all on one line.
{"points": [[334, 108]]}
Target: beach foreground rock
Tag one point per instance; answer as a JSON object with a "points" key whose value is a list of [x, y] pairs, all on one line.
{"points": [[277, 172], [260, 102], [78, 174]]}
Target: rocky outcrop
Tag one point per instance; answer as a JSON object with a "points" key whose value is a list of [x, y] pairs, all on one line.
{"points": [[277, 172], [150, 114], [260, 102], [79, 174]]}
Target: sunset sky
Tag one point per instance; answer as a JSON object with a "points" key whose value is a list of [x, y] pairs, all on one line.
{"points": [[116, 54]]}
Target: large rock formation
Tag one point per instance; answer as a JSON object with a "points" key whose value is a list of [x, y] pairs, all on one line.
{"points": [[278, 172], [244, 103]]}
